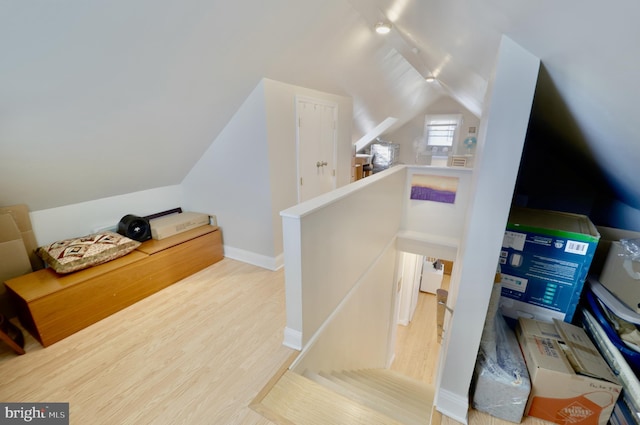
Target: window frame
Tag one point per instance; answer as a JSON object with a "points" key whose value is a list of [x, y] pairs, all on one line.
{"points": [[452, 121]]}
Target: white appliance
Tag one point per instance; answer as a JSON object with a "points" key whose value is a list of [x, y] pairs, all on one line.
{"points": [[432, 273]]}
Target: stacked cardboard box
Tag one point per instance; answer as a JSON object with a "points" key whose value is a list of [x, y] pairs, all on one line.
{"points": [[571, 382], [17, 249], [544, 260], [621, 272], [164, 227]]}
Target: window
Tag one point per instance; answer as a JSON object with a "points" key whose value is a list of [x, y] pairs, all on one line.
{"points": [[440, 130]]}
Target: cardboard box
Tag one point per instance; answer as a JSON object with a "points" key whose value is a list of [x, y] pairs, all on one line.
{"points": [[544, 261], [621, 274], [14, 260], [608, 235], [20, 214], [170, 225], [570, 381]]}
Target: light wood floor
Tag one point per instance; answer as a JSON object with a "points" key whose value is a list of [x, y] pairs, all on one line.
{"points": [[417, 348], [195, 353], [417, 357]]}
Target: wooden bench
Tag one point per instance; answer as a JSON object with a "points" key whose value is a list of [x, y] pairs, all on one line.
{"points": [[52, 306]]}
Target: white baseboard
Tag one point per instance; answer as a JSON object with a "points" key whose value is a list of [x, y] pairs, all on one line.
{"points": [[390, 361], [270, 263], [292, 339], [279, 261], [452, 405]]}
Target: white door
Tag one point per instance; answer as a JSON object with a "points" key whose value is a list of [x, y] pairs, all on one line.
{"points": [[316, 144]]}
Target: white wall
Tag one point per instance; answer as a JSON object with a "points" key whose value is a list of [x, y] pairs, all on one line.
{"points": [[357, 335], [248, 174], [342, 263], [331, 242], [325, 265], [409, 134], [80, 219], [246, 177], [408, 278], [502, 133], [231, 180], [437, 218]]}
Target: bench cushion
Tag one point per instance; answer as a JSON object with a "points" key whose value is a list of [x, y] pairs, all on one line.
{"points": [[69, 255]]}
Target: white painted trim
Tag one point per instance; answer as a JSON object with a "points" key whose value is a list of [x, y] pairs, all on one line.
{"points": [[395, 310], [308, 207], [375, 132], [453, 405], [450, 170], [436, 246], [292, 339], [269, 263], [279, 261]]}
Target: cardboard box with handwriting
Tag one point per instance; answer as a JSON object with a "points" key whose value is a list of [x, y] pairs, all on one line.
{"points": [[570, 381]]}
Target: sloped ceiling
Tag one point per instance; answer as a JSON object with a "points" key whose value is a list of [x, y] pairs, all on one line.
{"points": [[105, 98]]}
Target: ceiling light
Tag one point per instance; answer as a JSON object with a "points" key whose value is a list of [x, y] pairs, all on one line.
{"points": [[383, 28], [430, 79]]}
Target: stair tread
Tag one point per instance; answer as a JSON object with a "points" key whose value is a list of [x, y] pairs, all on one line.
{"points": [[420, 391], [389, 407], [305, 402], [387, 378], [398, 377], [404, 400]]}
